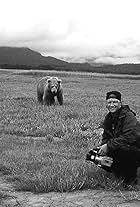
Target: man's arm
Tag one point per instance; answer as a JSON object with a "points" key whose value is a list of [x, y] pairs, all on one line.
{"points": [[128, 135]]}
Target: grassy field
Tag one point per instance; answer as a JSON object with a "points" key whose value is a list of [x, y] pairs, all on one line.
{"points": [[42, 149]]}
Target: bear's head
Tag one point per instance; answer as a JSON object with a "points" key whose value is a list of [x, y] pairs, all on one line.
{"points": [[54, 84]]}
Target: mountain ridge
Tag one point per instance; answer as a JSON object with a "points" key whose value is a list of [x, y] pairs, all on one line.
{"points": [[25, 58]]}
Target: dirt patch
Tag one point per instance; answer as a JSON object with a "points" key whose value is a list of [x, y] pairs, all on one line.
{"points": [[88, 198]]}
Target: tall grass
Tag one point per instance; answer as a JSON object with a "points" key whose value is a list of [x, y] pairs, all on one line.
{"points": [[42, 148]]}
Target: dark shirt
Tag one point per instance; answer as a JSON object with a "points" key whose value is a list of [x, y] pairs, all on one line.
{"points": [[121, 130]]}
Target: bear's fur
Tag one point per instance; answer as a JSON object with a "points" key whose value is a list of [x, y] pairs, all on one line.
{"points": [[47, 89]]}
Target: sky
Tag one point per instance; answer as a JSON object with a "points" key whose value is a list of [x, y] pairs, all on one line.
{"points": [[100, 31]]}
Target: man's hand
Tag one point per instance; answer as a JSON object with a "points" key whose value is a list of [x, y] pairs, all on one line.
{"points": [[103, 149]]}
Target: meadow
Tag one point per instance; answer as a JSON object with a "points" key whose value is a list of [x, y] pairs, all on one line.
{"points": [[42, 149]]}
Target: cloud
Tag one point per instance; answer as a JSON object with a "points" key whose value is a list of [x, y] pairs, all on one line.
{"points": [[126, 51], [95, 30], [121, 60]]}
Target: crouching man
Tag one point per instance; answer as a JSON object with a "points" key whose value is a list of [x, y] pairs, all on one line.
{"points": [[121, 138]]}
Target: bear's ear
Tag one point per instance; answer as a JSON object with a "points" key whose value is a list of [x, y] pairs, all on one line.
{"points": [[49, 80], [59, 81]]}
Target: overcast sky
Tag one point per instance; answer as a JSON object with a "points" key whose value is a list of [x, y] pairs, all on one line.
{"points": [[107, 31]]}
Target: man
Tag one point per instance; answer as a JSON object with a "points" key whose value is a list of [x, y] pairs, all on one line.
{"points": [[121, 138]]}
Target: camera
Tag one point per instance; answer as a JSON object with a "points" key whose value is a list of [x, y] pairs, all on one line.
{"points": [[100, 161]]}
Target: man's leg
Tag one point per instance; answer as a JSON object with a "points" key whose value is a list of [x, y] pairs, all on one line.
{"points": [[125, 164]]}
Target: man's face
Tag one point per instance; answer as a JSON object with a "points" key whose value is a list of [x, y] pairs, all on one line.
{"points": [[113, 104]]}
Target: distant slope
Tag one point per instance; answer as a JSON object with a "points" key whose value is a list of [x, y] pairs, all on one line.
{"points": [[120, 69], [26, 56]]}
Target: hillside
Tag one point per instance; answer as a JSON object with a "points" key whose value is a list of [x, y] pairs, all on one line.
{"points": [[25, 58]]}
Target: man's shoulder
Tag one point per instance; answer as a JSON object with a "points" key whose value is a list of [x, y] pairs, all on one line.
{"points": [[125, 110], [128, 115]]}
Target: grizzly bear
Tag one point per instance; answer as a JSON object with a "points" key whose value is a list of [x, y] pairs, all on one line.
{"points": [[47, 89]]}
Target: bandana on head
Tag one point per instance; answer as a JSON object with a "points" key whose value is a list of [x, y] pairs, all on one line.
{"points": [[113, 94]]}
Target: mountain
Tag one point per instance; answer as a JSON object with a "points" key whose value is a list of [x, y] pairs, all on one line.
{"points": [[26, 56]]}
